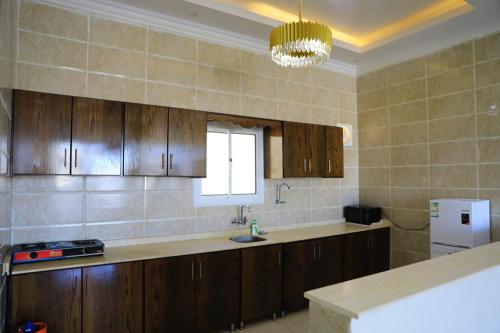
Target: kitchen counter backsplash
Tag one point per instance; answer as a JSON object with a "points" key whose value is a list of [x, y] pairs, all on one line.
{"points": [[46, 208]]}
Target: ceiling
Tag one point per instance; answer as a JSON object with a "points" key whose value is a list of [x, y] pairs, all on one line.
{"points": [[367, 33]]}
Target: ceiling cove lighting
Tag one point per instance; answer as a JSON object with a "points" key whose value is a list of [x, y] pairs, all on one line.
{"points": [[300, 44]]}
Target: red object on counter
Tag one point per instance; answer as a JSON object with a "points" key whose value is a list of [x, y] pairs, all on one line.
{"points": [[44, 254], [40, 328]]}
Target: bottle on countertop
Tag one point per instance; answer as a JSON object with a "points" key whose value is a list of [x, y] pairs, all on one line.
{"points": [[254, 228]]}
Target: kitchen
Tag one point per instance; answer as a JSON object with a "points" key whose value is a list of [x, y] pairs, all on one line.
{"points": [[114, 113]]}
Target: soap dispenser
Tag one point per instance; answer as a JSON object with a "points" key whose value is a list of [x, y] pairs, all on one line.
{"points": [[254, 228]]}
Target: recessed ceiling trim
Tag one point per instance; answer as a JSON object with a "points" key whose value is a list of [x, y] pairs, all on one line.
{"points": [[138, 16]]}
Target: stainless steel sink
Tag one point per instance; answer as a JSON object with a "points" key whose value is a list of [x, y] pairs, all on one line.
{"points": [[247, 239]]}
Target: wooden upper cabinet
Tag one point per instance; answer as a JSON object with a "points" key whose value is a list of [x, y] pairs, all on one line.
{"points": [[97, 137], [41, 133], [294, 150], [146, 140], [334, 143], [187, 143], [315, 152], [52, 297], [113, 298]]}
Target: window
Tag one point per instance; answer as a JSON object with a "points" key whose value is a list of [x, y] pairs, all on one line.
{"points": [[235, 168]]}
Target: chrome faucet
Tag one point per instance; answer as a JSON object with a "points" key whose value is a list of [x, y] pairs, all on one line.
{"points": [[278, 193], [241, 219]]}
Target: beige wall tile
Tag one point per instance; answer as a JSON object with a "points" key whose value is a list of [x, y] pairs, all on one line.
{"points": [[114, 61], [215, 101], [489, 175], [260, 86], [450, 82], [45, 50], [219, 56], [109, 231], [454, 57], [373, 137], [106, 207], [170, 227], [293, 112], [112, 183], [52, 80], [350, 157], [171, 71], [406, 92], [169, 204], [117, 34], [325, 197], [258, 64], [293, 92], [410, 218], [374, 157], [115, 88], [460, 176], [47, 233], [347, 83], [374, 176], [406, 71], [218, 79], [451, 105], [371, 81], [347, 101], [300, 75], [172, 46], [489, 150], [408, 113], [409, 134], [495, 228], [372, 100], [488, 124], [453, 152], [373, 119], [29, 184], [488, 73], [52, 20], [324, 97], [487, 47], [440, 193], [410, 198], [415, 176], [375, 196], [452, 128], [494, 197], [324, 116], [169, 184], [170, 95], [259, 107], [488, 99], [324, 78]]}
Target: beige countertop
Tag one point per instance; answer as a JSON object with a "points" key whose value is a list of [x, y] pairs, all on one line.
{"points": [[193, 246], [355, 297]]}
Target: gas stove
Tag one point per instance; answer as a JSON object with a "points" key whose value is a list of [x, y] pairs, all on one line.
{"points": [[42, 251]]}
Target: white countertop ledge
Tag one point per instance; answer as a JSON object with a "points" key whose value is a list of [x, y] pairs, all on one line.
{"points": [[357, 297]]}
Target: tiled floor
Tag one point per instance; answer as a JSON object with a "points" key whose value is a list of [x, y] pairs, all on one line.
{"points": [[297, 322]]}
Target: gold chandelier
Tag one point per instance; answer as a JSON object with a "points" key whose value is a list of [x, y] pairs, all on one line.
{"points": [[300, 44]]}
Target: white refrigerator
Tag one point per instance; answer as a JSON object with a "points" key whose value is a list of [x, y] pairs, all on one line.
{"points": [[458, 224]]}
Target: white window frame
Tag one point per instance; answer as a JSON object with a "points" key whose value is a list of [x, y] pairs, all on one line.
{"points": [[200, 200]]}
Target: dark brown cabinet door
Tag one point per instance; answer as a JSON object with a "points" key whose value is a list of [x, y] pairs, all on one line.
{"points": [[146, 140], [187, 143], [217, 290], [113, 298], [51, 297], [334, 152], [330, 263], [260, 282], [41, 133], [299, 273], [170, 295], [380, 250], [295, 163], [315, 143], [358, 257], [97, 137]]}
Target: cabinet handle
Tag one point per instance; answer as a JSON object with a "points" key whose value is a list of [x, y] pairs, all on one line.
{"points": [[319, 251], [65, 157], [329, 166], [192, 270], [310, 165], [314, 253], [170, 160], [279, 258], [305, 165], [76, 157], [201, 274], [163, 161]]}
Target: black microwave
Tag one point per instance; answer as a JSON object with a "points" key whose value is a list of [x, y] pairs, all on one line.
{"points": [[362, 214]]}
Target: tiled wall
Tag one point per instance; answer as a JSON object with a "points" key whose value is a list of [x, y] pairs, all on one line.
{"points": [[77, 53], [430, 128], [8, 23]]}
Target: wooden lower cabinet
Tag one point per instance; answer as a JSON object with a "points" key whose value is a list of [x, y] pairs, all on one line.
{"points": [[52, 297], [169, 295], [330, 261], [260, 282], [113, 298]]}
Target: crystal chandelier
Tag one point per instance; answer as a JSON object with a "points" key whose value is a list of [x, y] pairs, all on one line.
{"points": [[300, 44]]}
